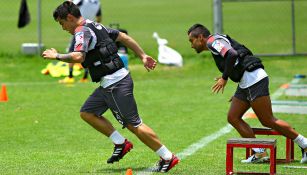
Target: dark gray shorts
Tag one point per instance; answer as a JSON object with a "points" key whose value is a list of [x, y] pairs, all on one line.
{"points": [[118, 98], [249, 94]]}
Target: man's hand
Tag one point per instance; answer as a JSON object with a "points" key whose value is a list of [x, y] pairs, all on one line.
{"points": [[50, 54], [219, 85], [149, 62]]}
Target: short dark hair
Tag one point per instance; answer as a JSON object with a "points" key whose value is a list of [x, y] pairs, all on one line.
{"points": [[198, 29], [66, 8]]}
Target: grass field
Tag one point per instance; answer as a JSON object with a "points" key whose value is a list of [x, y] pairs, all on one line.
{"points": [[40, 128], [42, 133]]}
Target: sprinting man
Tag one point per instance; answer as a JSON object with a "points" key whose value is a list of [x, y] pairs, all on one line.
{"points": [[236, 62], [90, 9], [95, 48]]}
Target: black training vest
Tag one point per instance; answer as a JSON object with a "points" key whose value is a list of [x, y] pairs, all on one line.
{"points": [[103, 59], [246, 60]]}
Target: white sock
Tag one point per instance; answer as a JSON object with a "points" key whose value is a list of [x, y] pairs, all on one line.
{"points": [[301, 141], [164, 153], [259, 150], [117, 138]]}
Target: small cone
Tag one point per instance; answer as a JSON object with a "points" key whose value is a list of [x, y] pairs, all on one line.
{"points": [[129, 171], [250, 115], [3, 95]]}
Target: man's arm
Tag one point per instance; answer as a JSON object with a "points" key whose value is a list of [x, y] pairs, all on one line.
{"points": [[231, 57], [148, 61], [73, 57]]}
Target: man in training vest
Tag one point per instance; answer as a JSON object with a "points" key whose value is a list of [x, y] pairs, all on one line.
{"points": [[95, 48], [237, 62], [90, 9]]}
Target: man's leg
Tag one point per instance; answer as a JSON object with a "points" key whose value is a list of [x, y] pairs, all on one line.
{"points": [[70, 78], [150, 138], [84, 78], [237, 109], [146, 135], [263, 109], [101, 124], [104, 126]]}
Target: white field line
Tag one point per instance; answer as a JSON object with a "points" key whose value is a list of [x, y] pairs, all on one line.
{"points": [[296, 167], [190, 150]]}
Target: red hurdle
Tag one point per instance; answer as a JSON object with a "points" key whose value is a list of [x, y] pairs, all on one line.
{"points": [[250, 143], [289, 144]]}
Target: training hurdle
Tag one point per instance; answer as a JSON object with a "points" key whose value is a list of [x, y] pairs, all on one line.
{"points": [[250, 143], [289, 144]]}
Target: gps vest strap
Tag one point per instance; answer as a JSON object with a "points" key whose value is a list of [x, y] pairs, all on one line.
{"points": [[246, 60], [103, 59]]}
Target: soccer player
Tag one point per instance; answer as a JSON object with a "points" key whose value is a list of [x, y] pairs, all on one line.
{"points": [[90, 9], [236, 62], [95, 49]]}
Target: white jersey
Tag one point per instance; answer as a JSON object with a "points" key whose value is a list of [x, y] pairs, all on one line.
{"points": [[88, 8]]}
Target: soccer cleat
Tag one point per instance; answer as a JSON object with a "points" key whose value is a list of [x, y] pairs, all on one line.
{"points": [[304, 155], [83, 80], [67, 80], [164, 166], [120, 151], [256, 158]]}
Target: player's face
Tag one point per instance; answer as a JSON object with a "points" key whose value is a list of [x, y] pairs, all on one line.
{"points": [[197, 43], [67, 25]]}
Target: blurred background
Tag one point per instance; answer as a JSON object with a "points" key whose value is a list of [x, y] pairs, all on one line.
{"points": [[267, 26]]}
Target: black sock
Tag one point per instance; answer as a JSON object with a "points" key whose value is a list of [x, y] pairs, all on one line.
{"points": [[85, 73], [70, 72]]}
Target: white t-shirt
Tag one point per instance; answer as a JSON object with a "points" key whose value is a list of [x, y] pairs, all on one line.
{"points": [[250, 78], [113, 78], [88, 8]]}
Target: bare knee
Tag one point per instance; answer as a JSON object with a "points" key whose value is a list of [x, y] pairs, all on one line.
{"points": [[232, 119], [132, 128], [270, 123], [85, 115]]}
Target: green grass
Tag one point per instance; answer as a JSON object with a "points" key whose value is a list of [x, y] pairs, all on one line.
{"points": [[42, 133]]}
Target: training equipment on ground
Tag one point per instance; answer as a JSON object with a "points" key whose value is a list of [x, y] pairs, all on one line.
{"points": [[250, 143], [59, 68], [289, 144], [166, 54], [3, 95]]}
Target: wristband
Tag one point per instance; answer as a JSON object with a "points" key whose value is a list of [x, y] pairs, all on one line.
{"points": [[57, 57]]}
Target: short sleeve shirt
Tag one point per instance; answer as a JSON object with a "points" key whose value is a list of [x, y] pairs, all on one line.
{"points": [[85, 39], [218, 44]]}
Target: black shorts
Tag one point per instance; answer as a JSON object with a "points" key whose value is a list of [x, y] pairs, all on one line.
{"points": [[249, 94], [117, 97]]}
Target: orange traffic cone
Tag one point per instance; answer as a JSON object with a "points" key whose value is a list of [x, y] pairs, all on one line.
{"points": [[3, 95], [129, 171]]}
